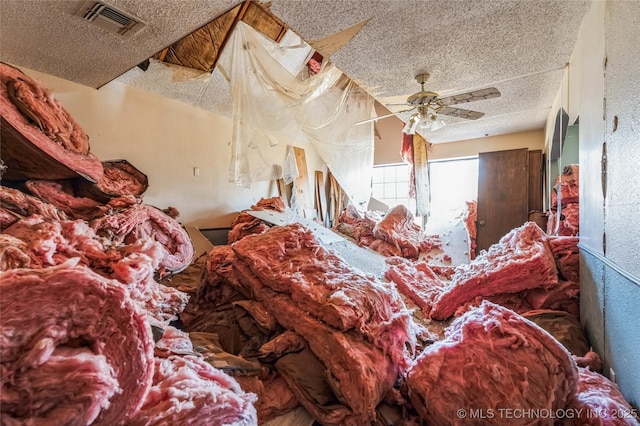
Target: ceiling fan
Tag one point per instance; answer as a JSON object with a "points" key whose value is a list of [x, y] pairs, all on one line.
{"points": [[429, 105]]}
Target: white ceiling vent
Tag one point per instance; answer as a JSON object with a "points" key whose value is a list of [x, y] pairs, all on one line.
{"points": [[110, 18]]}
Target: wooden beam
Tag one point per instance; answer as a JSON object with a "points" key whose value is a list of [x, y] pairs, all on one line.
{"points": [[301, 183], [245, 6], [163, 54], [262, 20], [336, 198], [321, 197]]}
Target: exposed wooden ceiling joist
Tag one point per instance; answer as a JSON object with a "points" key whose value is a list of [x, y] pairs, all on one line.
{"points": [[200, 49]]}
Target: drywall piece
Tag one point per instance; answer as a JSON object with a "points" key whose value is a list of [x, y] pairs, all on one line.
{"points": [[200, 243], [324, 235], [301, 183], [362, 258], [330, 44]]}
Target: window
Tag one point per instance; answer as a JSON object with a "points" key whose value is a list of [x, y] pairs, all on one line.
{"points": [[391, 185], [453, 182]]}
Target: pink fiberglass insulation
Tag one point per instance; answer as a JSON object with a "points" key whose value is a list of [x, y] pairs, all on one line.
{"points": [[275, 398], [571, 214], [415, 280], [7, 218], [564, 296], [568, 185], [22, 205], [61, 195], [469, 218], [141, 222], [187, 390], [247, 224], [84, 353], [599, 402], [521, 260], [273, 203], [260, 316], [219, 284], [136, 269], [51, 242], [385, 248], [289, 259], [31, 113], [358, 226], [358, 372], [120, 178], [283, 343], [398, 228], [492, 359], [13, 253], [567, 255], [566, 222]]}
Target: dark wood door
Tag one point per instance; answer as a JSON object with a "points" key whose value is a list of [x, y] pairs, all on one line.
{"points": [[536, 173], [503, 196]]}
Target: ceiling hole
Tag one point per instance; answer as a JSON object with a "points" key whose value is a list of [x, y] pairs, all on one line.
{"points": [[615, 123]]}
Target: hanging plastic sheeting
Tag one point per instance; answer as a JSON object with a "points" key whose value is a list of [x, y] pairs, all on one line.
{"points": [[273, 108], [346, 148]]}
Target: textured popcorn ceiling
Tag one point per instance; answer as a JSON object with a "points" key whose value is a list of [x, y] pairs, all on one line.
{"points": [[517, 46]]}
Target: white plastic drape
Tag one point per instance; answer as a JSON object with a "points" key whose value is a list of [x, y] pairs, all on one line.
{"points": [[273, 108]]}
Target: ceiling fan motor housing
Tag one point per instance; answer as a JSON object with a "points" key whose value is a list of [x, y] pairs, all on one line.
{"points": [[423, 98]]}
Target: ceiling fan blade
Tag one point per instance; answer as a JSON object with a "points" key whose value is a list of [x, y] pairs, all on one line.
{"points": [[462, 113], [380, 117], [476, 95]]}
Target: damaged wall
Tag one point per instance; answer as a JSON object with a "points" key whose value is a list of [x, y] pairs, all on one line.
{"points": [[604, 67], [166, 139]]}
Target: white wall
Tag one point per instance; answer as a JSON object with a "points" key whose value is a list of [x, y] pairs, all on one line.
{"points": [[166, 139], [622, 91], [585, 85], [599, 85]]}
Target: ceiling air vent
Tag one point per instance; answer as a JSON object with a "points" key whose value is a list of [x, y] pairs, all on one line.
{"points": [[109, 18]]}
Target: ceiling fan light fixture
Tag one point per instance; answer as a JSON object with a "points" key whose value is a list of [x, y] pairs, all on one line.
{"points": [[435, 122], [411, 125], [430, 106], [429, 122]]}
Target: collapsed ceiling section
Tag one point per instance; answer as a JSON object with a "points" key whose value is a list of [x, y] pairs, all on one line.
{"points": [[201, 48], [247, 59], [186, 70], [520, 47]]}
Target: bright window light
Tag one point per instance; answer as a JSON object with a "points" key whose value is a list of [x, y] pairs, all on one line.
{"points": [[453, 182]]}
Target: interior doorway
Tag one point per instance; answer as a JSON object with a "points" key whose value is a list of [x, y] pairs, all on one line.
{"points": [[503, 194]]}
